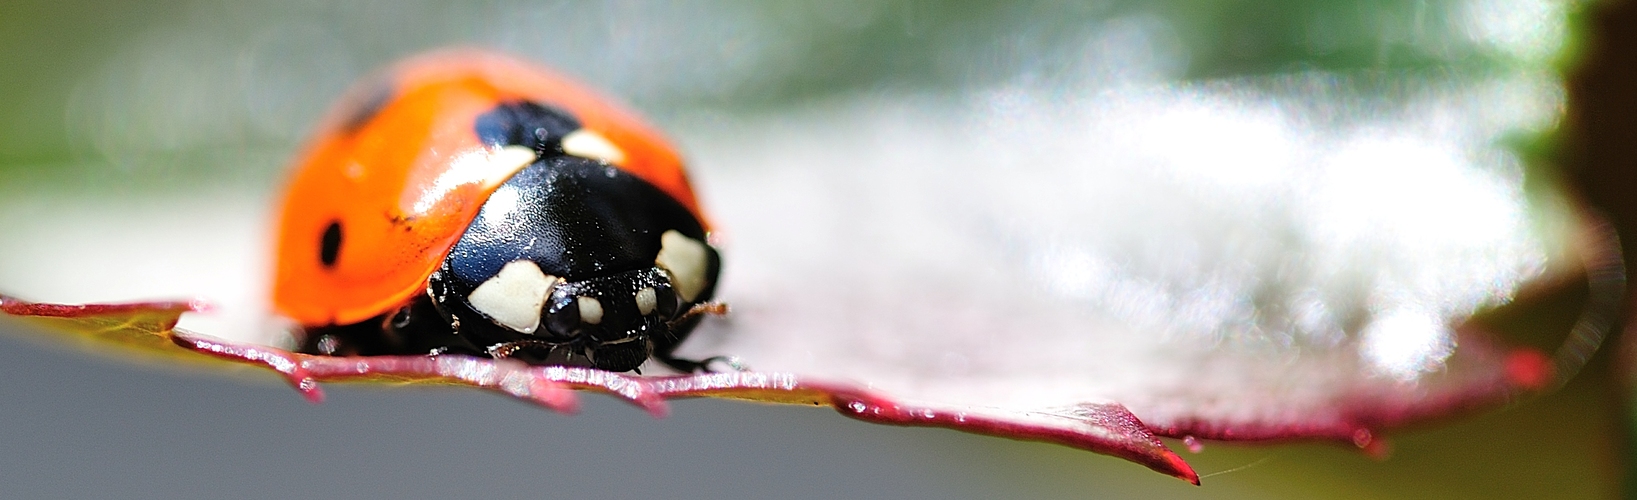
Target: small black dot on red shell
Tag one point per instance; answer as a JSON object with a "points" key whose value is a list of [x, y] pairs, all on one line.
{"points": [[329, 245]]}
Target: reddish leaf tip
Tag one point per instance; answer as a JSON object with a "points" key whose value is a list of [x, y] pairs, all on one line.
{"points": [[1106, 428], [1180, 468]]}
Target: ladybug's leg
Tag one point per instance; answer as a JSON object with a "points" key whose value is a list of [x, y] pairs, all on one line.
{"points": [[679, 328], [377, 337], [419, 328], [365, 338], [702, 366]]}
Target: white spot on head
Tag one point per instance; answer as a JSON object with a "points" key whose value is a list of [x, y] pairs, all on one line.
{"points": [[646, 300], [686, 260], [587, 144], [591, 311], [514, 296]]}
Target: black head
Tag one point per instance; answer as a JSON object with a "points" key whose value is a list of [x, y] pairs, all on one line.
{"points": [[614, 319], [609, 322]]}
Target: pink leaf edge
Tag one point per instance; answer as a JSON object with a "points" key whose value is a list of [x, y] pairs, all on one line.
{"points": [[1107, 428]]}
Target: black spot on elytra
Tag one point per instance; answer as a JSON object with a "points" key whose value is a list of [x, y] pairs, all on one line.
{"points": [[329, 245], [526, 124]]}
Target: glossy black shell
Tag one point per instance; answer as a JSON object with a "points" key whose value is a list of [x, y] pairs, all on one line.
{"points": [[574, 217]]}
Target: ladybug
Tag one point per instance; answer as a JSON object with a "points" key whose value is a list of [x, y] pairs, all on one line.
{"points": [[469, 203]]}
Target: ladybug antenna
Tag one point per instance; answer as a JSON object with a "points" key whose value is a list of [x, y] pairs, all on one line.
{"points": [[711, 308]]}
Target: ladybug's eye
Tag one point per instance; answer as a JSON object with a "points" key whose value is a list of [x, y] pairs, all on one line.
{"points": [[329, 245], [666, 301], [563, 316]]}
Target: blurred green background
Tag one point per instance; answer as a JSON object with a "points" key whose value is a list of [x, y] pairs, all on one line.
{"points": [[104, 100]]}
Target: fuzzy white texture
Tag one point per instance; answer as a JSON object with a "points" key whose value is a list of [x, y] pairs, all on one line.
{"points": [[1240, 251]]}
